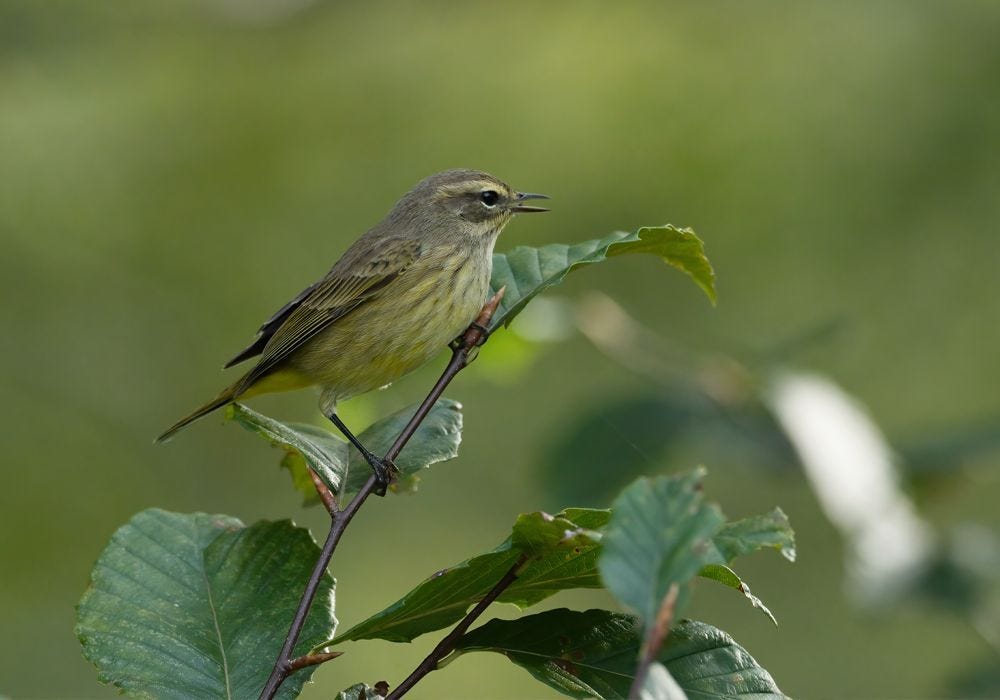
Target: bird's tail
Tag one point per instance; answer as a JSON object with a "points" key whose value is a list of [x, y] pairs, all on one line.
{"points": [[228, 395]]}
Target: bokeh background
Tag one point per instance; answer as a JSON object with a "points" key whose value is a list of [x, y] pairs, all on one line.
{"points": [[172, 171]]}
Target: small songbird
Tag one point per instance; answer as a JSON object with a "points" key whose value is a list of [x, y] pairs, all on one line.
{"points": [[396, 298]]}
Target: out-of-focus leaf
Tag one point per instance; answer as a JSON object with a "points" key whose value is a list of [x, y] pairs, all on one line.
{"points": [[639, 433], [979, 679], [561, 551], [629, 433], [659, 535], [660, 685], [506, 358], [944, 451], [527, 271], [595, 653], [963, 577], [341, 467], [197, 606], [740, 537]]}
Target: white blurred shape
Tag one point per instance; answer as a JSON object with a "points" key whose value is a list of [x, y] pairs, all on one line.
{"points": [[850, 467]]}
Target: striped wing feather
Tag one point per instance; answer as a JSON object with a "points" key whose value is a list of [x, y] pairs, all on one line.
{"points": [[272, 324], [322, 304]]}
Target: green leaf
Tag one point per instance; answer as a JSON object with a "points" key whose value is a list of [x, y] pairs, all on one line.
{"points": [[595, 653], [558, 563], [728, 577], [526, 271], [305, 446], [744, 536], [562, 554], [359, 691], [341, 467], [436, 440], [660, 534], [437, 602], [707, 662], [197, 606]]}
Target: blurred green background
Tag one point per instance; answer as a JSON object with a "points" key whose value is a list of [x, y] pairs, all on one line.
{"points": [[172, 171]]}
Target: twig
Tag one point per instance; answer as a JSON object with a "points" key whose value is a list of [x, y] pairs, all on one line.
{"points": [[447, 645], [654, 639], [475, 335]]}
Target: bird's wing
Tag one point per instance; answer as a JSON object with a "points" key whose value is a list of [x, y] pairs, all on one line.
{"points": [[272, 324], [330, 299]]}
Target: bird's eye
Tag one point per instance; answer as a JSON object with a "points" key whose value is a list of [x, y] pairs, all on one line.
{"points": [[489, 197]]}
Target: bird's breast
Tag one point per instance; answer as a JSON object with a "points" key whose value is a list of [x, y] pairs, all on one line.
{"points": [[415, 318]]}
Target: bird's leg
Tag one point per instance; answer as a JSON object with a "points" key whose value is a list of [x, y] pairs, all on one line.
{"points": [[384, 469]]}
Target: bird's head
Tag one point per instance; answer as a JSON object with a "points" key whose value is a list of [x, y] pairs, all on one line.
{"points": [[477, 201]]}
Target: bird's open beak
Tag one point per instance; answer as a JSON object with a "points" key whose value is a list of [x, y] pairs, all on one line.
{"points": [[524, 208]]}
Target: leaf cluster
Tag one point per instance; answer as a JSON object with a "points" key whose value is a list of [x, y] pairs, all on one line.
{"points": [[196, 605]]}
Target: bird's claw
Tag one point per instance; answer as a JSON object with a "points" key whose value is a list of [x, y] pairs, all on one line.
{"points": [[385, 473]]}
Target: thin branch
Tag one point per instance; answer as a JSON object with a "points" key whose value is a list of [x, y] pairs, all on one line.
{"points": [[654, 639], [474, 336], [447, 645]]}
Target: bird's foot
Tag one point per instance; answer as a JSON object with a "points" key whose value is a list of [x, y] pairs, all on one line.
{"points": [[385, 472]]}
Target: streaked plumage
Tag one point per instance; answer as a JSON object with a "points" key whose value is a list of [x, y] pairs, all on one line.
{"points": [[398, 295]]}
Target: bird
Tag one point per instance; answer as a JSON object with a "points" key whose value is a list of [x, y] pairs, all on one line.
{"points": [[397, 296]]}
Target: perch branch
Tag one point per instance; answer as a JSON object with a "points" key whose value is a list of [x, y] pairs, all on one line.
{"points": [[461, 355]]}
